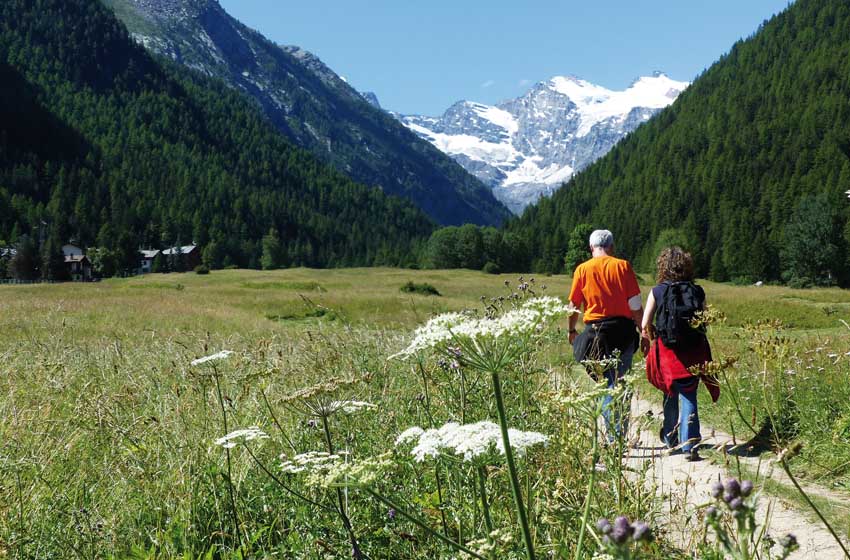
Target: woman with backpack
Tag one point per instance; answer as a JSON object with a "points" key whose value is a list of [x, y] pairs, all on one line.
{"points": [[677, 348]]}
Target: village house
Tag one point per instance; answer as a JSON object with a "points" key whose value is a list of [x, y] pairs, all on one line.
{"points": [[146, 258], [77, 264], [191, 255]]}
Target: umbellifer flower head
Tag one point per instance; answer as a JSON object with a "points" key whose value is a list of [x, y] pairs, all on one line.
{"points": [[470, 441], [520, 321], [247, 434], [213, 357]]}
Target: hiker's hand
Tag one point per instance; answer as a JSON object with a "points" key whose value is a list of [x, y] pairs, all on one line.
{"points": [[644, 345], [573, 336]]}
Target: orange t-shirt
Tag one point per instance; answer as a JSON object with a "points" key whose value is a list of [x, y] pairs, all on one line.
{"points": [[604, 285]]}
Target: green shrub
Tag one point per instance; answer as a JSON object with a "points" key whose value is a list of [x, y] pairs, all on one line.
{"points": [[491, 268], [202, 269], [424, 289]]}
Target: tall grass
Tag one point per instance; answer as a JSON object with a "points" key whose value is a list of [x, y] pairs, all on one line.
{"points": [[108, 431]]}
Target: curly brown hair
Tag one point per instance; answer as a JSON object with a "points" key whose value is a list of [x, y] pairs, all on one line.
{"points": [[674, 265]]}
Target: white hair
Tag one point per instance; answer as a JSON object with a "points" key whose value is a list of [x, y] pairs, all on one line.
{"points": [[601, 238]]}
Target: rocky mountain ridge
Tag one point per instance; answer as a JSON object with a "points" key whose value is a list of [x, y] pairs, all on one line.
{"points": [[312, 106]]}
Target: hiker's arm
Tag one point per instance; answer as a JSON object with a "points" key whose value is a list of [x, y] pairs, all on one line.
{"points": [[646, 323], [637, 309], [573, 322]]}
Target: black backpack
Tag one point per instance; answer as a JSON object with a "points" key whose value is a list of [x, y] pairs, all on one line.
{"points": [[678, 305]]}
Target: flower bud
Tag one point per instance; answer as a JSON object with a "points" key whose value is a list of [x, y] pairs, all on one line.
{"points": [[732, 487], [642, 532], [717, 490], [622, 530], [604, 526], [737, 504], [746, 488]]}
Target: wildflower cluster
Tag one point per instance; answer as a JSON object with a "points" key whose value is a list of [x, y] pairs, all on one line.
{"points": [[212, 358], [736, 498], [470, 441], [524, 320], [350, 407], [496, 541], [351, 474], [323, 399], [311, 461], [732, 493], [230, 440], [618, 537]]}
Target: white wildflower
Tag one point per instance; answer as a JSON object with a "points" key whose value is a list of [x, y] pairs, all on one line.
{"points": [[217, 356], [409, 435], [435, 331], [311, 461], [526, 319], [350, 474], [467, 440], [350, 407], [247, 434]]}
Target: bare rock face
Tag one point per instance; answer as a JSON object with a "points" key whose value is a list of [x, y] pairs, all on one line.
{"points": [[528, 147]]}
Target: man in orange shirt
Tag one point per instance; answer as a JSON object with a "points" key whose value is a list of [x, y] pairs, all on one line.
{"points": [[607, 288]]}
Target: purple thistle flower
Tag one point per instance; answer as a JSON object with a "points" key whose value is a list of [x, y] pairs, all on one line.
{"points": [[737, 504], [746, 488], [717, 489], [732, 487], [622, 530], [604, 526], [710, 512], [391, 514], [642, 532]]}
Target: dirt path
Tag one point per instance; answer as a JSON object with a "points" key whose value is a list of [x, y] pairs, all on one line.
{"points": [[684, 485]]}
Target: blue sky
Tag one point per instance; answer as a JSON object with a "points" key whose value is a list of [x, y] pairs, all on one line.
{"points": [[420, 56]]}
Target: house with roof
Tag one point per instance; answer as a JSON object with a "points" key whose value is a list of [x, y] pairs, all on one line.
{"points": [[146, 258], [77, 263], [191, 255]]}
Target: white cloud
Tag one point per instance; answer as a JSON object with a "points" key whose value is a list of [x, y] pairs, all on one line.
{"points": [[523, 82], [488, 83]]}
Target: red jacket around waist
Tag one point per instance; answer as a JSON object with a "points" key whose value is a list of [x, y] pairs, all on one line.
{"points": [[675, 364]]}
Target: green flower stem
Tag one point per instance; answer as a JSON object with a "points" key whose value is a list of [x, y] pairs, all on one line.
{"points": [[283, 485], [485, 506], [419, 523], [812, 505], [594, 457], [233, 512], [356, 553], [276, 423], [509, 459]]}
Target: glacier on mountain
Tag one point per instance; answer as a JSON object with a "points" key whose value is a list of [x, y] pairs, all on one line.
{"points": [[528, 147]]}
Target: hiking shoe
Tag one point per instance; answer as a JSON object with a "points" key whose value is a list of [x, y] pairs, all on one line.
{"points": [[668, 444], [692, 455]]}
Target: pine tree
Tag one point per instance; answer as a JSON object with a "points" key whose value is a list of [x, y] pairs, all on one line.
{"points": [[272, 251], [24, 264], [578, 247]]}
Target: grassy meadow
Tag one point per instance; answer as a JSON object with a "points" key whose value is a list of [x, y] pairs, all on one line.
{"points": [[109, 432]]}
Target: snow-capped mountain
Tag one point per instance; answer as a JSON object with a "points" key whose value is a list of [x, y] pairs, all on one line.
{"points": [[527, 147]]}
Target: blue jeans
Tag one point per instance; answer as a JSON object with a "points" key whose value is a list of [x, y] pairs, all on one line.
{"points": [[681, 409], [612, 412]]}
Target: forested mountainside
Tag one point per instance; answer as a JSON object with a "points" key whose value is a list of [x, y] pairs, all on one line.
{"points": [[750, 163], [102, 144], [312, 106]]}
